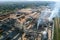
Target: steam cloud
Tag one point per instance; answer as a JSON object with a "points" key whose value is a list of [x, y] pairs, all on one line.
{"points": [[50, 16]]}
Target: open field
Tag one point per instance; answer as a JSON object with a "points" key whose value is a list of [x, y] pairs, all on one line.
{"points": [[57, 29]]}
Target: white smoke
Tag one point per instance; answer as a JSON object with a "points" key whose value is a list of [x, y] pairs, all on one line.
{"points": [[55, 11], [53, 14], [45, 14]]}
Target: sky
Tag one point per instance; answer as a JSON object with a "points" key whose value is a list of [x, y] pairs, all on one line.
{"points": [[29, 0]]}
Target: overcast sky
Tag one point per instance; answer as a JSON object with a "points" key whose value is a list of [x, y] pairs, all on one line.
{"points": [[29, 0]]}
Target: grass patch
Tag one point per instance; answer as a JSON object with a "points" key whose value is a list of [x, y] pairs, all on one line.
{"points": [[56, 30]]}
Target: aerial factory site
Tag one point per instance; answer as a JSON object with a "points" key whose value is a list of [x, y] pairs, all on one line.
{"points": [[30, 20]]}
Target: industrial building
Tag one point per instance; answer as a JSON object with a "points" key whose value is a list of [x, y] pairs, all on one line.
{"points": [[22, 25]]}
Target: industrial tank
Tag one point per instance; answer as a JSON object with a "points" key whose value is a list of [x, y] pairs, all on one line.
{"points": [[44, 35]]}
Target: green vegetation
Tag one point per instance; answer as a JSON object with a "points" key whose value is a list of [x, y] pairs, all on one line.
{"points": [[0, 35], [11, 6], [57, 29], [5, 9]]}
